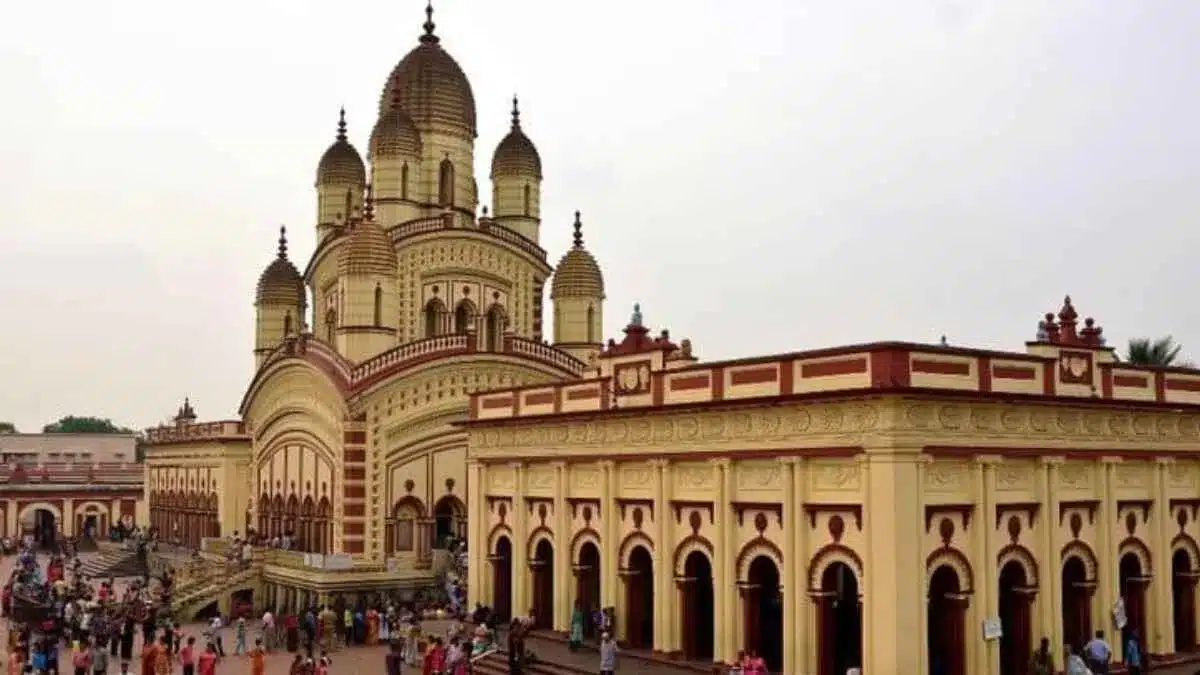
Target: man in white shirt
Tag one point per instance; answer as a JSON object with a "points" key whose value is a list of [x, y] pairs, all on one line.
{"points": [[215, 629], [268, 621], [1098, 654]]}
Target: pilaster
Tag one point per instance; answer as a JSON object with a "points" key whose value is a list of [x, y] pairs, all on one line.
{"points": [[1107, 580], [68, 518], [477, 543], [792, 589], [1162, 620], [984, 543], [1050, 542], [562, 533], [609, 538], [520, 527], [668, 609], [662, 573], [726, 587]]}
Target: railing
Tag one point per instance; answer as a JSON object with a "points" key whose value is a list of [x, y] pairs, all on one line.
{"points": [[194, 432], [544, 352], [485, 226], [441, 344]]}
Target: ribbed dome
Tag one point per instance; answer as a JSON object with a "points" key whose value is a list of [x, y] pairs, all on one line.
{"points": [[431, 87], [367, 249], [577, 274], [395, 135], [516, 155], [341, 163], [280, 283]]}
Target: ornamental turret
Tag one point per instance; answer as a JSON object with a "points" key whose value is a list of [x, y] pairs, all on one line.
{"points": [[340, 172], [577, 291], [517, 181], [279, 303]]}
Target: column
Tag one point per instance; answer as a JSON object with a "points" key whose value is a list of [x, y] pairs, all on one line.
{"points": [[668, 606], [1161, 625], [609, 543], [68, 518], [725, 600], [1107, 579], [894, 597], [562, 562], [1049, 565], [791, 589], [477, 543], [10, 518], [520, 523], [802, 607], [659, 554], [114, 516]]}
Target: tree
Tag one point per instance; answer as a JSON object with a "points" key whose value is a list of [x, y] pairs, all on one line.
{"points": [[84, 425], [1163, 351], [8, 428]]}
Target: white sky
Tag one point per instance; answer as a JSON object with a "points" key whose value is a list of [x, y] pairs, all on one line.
{"points": [[762, 177]]}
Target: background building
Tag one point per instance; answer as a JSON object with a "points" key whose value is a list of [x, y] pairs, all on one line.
{"points": [[873, 505]]}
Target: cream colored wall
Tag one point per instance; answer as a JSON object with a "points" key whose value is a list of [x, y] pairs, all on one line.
{"points": [[271, 326], [572, 329], [890, 500], [391, 206], [323, 288], [331, 204], [203, 467], [435, 147], [360, 338], [508, 204]]}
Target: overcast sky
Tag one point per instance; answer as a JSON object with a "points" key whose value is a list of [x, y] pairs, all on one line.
{"points": [[762, 176]]}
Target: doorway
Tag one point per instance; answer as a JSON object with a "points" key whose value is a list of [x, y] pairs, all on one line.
{"points": [[1076, 603], [502, 579], [696, 608], [763, 607], [1183, 601], [543, 585], [945, 623], [1015, 646], [1133, 592], [839, 622], [45, 528], [587, 591], [639, 599]]}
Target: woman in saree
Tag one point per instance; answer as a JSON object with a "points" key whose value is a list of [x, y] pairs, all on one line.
{"points": [[578, 617]]}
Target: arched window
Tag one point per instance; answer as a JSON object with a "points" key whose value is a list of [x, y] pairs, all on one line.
{"points": [[495, 328], [464, 314], [591, 316], [433, 317], [404, 181], [446, 183], [287, 324], [378, 306], [528, 202], [330, 325]]}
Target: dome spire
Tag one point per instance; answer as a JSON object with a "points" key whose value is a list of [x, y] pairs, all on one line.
{"points": [[578, 231], [369, 207], [516, 114], [429, 37], [283, 242], [341, 134]]}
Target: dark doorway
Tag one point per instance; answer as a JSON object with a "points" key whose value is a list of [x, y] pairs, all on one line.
{"points": [[587, 593], [446, 516], [543, 584], [1015, 646], [1076, 603], [763, 607], [1133, 592], [1183, 601], [696, 608], [945, 619], [839, 621], [502, 579], [45, 528], [639, 599]]}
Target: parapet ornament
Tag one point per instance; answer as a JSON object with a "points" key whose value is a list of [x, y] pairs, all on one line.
{"points": [[1033, 420]]}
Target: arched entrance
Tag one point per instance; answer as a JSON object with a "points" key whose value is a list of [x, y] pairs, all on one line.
{"points": [[1076, 603], [1015, 596], [945, 620], [1183, 601], [1133, 593], [587, 589], [502, 579], [696, 608], [543, 584], [639, 599], [448, 515], [762, 604], [839, 621], [42, 524]]}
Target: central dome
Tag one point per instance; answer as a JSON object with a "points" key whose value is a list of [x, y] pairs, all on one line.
{"points": [[431, 87]]}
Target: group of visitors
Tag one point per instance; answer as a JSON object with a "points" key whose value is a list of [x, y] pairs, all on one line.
{"points": [[1093, 658]]}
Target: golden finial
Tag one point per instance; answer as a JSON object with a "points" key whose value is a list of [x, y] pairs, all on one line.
{"points": [[516, 114], [578, 231], [283, 242], [429, 25], [369, 209], [341, 134]]}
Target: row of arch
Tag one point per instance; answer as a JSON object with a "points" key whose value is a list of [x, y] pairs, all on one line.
{"points": [[185, 517], [834, 577], [308, 522], [439, 320], [449, 523]]}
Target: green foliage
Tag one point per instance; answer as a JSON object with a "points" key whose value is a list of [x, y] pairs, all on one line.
{"points": [[84, 425], [8, 428], [1163, 351]]}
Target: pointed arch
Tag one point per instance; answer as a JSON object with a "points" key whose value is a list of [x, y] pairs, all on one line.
{"points": [[582, 537], [686, 547], [528, 200], [759, 546], [446, 183], [500, 531], [464, 316], [434, 310], [1184, 542], [948, 556], [378, 306], [330, 325], [1138, 548], [287, 324], [404, 181], [1078, 549], [539, 533], [494, 324], [828, 555], [1020, 555], [632, 541], [591, 322]]}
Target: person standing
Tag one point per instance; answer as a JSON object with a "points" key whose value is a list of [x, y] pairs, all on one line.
{"points": [[99, 658], [1041, 663], [577, 620], [258, 658], [608, 654], [1074, 663], [208, 661], [1133, 653], [1098, 654], [215, 628], [239, 637], [268, 628], [187, 657]]}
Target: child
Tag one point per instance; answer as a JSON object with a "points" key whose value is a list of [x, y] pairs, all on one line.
{"points": [[258, 657], [187, 656]]}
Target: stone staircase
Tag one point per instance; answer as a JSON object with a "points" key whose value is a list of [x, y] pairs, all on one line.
{"points": [[196, 593], [118, 563], [496, 663]]}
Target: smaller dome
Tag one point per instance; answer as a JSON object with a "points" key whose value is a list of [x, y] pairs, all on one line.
{"points": [[280, 283], [577, 274], [515, 154], [367, 249], [395, 135], [341, 164]]}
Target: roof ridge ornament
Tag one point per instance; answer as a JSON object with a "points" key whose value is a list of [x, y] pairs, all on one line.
{"points": [[578, 236], [516, 114], [341, 128], [283, 242], [429, 26]]}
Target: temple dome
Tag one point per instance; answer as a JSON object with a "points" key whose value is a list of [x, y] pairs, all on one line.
{"points": [[280, 283], [431, 87], [395, 135], [341, 164], [516, 155], [367, 249], [577, 274]]}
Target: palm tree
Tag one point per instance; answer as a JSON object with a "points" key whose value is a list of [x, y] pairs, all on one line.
{"points": [[1160, 352]]}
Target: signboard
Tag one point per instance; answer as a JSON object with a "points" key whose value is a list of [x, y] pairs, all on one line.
{"points": [[993, 629], [1118, 612]]}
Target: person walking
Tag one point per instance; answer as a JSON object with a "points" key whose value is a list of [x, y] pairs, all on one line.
{"points": [[608, 654], [1041, 663], [187, 657], [1133, 653], [1098, 654], [239, 637], [258, 658]]}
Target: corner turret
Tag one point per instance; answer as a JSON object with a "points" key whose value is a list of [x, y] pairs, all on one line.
{"points": [[340, 170], [279, 303], [577, 291], [517, 181]]}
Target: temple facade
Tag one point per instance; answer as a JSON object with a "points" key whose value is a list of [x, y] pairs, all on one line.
{"points": [[878, 505], [415, 296]]}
